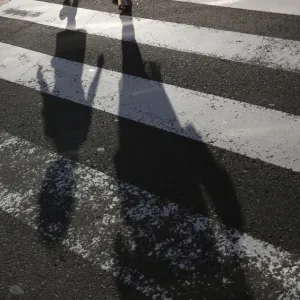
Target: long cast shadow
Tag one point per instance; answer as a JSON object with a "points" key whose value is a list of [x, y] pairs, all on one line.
{"points": [[66, 124], [171, 250]]}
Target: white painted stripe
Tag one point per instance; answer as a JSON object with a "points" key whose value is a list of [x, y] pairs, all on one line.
{"points": [[97, 220], [246, 48], [257, 132], [290, 7]]}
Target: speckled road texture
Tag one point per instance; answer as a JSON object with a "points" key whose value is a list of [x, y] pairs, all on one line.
{"points": [[153, 156]]}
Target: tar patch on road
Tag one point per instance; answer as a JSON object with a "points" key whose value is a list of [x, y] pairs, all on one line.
{"points": [[20, 12]]}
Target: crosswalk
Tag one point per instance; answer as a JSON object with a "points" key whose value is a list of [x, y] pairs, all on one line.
{"points": [[160, 151], [290, 7], [247, 48]]}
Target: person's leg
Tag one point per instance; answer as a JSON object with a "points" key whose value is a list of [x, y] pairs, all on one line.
{"points": [[75, 3], [123, 4]]}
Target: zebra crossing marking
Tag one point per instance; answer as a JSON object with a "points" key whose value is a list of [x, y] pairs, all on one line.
{"points": [[290, 7], [257, 132], [239, 47], [98, 193]]}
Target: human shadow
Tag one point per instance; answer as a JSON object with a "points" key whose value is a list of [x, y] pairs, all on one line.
{"points": [[66, 125], [169, 249]]}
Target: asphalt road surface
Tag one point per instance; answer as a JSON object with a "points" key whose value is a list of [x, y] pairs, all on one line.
{"points": [[150, 155]]}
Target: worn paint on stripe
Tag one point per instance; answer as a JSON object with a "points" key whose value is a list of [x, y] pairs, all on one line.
{"points": [[246, 48], [290, 7], [257, 132], [97, 221]]}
